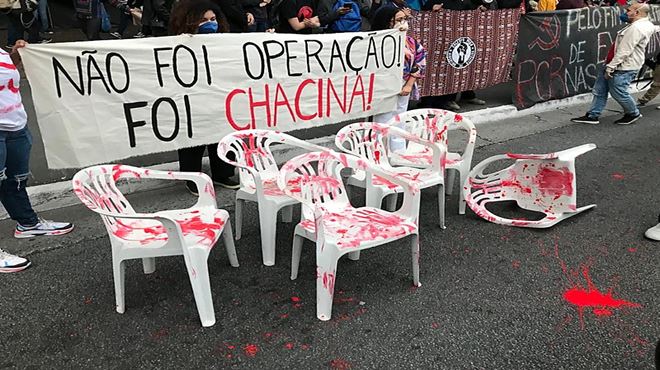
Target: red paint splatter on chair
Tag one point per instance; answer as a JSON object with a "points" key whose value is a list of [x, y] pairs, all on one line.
{"points": [[555, 183]]}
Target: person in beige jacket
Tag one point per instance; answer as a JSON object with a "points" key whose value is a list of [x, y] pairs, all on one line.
{"points": [[624, 59]]}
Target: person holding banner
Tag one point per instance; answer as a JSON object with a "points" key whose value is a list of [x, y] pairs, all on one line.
{"points": [[198, 17], [413, 66], [15, 145], [625, 58]]}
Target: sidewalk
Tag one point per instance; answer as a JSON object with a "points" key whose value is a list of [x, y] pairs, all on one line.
{"points": [[491, 296]]}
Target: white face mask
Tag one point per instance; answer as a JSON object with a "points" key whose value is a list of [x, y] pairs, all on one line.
{"points": [[401, 25]]}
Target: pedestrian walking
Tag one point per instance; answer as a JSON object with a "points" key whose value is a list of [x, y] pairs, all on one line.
{"points": [[625, 58]]}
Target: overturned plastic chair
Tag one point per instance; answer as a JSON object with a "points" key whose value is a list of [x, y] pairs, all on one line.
{"points": [[367, 140], [335, 225], [425, 123], [190, 232], [537, 182], [250, 151]]}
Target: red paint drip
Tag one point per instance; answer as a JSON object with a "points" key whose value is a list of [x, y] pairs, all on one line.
{"points": [[516, 184], [250, 350], [340, 364], [159, 334], [600, 304], [118, 172]]}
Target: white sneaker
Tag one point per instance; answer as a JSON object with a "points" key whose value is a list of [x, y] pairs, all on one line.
{"points": [[653, 233], [44, 227], [11, 263], [658, 107]]}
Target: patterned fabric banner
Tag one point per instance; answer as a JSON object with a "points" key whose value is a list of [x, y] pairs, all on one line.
{"points": [[466, 50]]}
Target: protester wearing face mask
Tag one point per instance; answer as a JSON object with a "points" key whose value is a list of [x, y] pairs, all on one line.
{"points": [[201, 17], [413, 66], [624, 59]]}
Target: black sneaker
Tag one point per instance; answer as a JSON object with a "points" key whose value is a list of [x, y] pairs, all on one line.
{"points": [[192, 188], [628, 119], [227, 183], [586, 119]]}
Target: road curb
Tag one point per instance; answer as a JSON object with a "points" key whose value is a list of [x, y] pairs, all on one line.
{"points": [[60, 194]]}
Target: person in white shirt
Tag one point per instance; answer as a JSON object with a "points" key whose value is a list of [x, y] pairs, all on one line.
{"points": [[15, 145], [623, 61]]}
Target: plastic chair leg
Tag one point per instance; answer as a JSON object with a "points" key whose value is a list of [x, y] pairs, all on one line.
{"points": [[441, 205], [414, 244], [295, 255], [325, 284], [119, 272], [268, 225], [228, 239], [461, 201], [449, 181], [287, 214], [149, 265], [198, 272], [239, 217]]}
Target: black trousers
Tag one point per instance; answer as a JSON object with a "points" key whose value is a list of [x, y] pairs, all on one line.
{"points": [[91, 27], [26, 22], [190, 160]]}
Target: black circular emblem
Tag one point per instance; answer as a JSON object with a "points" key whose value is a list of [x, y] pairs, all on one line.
{"points": [[461, 52]]}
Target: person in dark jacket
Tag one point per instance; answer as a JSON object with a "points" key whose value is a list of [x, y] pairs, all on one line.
{"points": [[88, 14], [156, 15], [197, 17], [260, 12], [570, 4], [236, 16]]}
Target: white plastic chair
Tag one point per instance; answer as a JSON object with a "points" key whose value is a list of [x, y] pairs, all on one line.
{"points": [[425, 123], [367, 141], [250, 151], [335, 225], [538, 182], [190, 232]]}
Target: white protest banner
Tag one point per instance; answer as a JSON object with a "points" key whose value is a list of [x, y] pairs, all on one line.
{"points": [[100, 101]]}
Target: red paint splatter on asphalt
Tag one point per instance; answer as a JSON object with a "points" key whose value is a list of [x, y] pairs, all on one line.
{"points": [[632, 249], [601, 304], [305, 347], [340, 364], [295, 299], [515, 264], [88, 300], [618, 176], [250, 350], [435, 325], [289, 345], [159, 334], [284, 316]]}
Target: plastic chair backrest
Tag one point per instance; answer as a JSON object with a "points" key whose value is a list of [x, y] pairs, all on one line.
{"points": [[252, 153], [429, 123], [321, 185], [367, 140], [96, 187], [539, 182]]}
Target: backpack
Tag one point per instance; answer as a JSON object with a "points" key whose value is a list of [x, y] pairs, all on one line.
{"points": [[349, 22]]}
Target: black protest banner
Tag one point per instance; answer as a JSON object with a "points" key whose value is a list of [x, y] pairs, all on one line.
{"points": [[560, 53]]}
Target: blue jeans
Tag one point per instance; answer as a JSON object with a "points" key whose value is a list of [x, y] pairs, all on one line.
{"points": [[14, 170], [42, 14], [617, 86]]}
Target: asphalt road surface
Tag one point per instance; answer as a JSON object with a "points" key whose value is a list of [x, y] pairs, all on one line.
{"points": [[492, 297]]}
